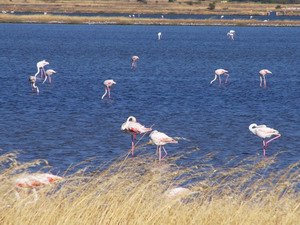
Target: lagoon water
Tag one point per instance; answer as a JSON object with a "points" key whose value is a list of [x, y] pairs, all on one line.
{"points": [[68, 121]]}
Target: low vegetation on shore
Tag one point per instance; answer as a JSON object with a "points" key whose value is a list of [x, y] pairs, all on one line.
{"points": [[141, 191]]}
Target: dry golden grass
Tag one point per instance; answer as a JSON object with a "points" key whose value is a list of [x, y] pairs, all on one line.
{"points": [[133, 191]]}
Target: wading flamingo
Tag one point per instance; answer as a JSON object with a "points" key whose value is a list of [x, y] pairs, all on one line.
{"points": [[32, 80], [134, 60], [160, 139], [108, 84], [159, 35], [48, 75], [264, 132], [40, 68], [231, 34], [262, 77], [33, 181], [132, 127], [218, 74]]}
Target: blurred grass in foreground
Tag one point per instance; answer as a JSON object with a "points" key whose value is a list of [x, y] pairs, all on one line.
{"points": [[134, 191]]}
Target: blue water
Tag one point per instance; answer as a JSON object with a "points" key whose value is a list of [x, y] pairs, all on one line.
{"points": [[68, 121]]}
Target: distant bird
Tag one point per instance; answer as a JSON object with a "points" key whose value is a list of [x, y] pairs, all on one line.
{"points": [[231, 34], [251, 17], [108, 84], [134, 60], [32, 80], [34, 181], [222, 17], [264, 132], [40, 68], [132, 127], [262, 77], [178, 192], [159, 35], [218, 74], [48, 75], [160, 139]]}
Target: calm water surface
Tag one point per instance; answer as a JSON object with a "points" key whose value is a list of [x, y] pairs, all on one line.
{"points": [[68, 122]]}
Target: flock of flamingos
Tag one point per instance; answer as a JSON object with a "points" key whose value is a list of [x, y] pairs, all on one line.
{"points": [[134, 128]]}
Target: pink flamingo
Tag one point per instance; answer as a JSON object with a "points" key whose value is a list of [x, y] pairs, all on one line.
{"points": [[134, 128], [262, 77], [108, 84], [231, 34], [160, 139], [134, 60], [48, 75], [32, 80], [40, 67], [33, 181], [218, 74], [264, 132]]}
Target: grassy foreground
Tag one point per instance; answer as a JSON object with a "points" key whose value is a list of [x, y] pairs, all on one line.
{"points": [[135, 191]]}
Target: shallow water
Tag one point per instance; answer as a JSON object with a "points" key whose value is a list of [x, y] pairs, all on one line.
{"points": [[68, 122]]}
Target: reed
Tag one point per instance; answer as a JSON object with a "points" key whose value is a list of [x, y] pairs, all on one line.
{"points": [[135, 191]]}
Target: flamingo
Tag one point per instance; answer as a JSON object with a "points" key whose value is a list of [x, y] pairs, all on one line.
{"points": [[262, 77], [40, 67], [231, 34], [264, 132], [134, 60], [32, 80], [48, 74], [108, 84], [218, 74], [33, 181], [159, 35], [160, 139], [134, 128]]}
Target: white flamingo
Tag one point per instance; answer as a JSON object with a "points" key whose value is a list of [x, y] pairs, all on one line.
{"points": [[262, 78], [159, 35], [132, 127], [33, 181], [108, 84], [134, 60], [48, 75], [218, 74], [32, 80], [231, 34], [264, 132], [40, 67], [160, 139]]}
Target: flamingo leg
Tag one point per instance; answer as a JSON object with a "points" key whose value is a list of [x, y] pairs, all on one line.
{"points": [[104, 93], [214, 79], [274, 138], [157, 149], [166, 153], [264, 147], [133, 137], [49, 79], [265, 82], [227, 75], [108, 92], [220, 80], [260, 78], [159, 153]]}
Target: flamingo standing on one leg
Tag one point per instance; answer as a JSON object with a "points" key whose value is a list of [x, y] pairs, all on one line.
{"points": [[32, 80], [33, 181], [264, 132], [40, 68], [134, 60], [160, 139], [262, 77], [134, 128], [48, 75], [108, 84], [218, 74], [231, 34]]}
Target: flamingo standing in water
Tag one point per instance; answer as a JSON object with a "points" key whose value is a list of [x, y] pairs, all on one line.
{"points": [[262, 77], [32, 80], [264, 132], [108, 84], [218, 74], [40, 68], [159, 35], [134, 60], [33, 181], [134, 128], [48, 75], [160, 139], [231, 34]]}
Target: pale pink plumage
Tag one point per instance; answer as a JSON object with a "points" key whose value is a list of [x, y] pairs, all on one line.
{"points": [[218, 74], [262, 78]]}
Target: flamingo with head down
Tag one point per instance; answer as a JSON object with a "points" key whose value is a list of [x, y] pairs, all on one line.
{"points": [[231, 34], [132, 127], [134, 60], [108, 84], [264, 132], [40, 68], [32, 80], [262, 78], [218, 74], [48, 75]]}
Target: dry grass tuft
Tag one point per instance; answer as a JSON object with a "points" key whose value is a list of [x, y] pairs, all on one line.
{"points": [[135, 191]]}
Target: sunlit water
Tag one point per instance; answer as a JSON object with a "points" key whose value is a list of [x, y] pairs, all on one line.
{"points": [[68, 121]]}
